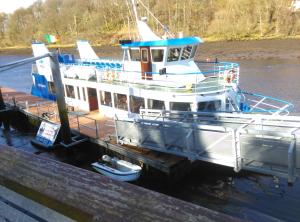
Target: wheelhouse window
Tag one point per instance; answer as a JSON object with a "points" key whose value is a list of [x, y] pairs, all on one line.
{"points": [[157, 55], [121, 101], [70, 91], [156, 104], [186, 52], [135, 55], [194, 51], [144, 55], [174, 54], [105, 98], [209, 106], [136, 103], [180, 106], [126, 57]]}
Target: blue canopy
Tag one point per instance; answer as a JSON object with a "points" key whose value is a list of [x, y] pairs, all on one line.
{"points": [[166, 42]]}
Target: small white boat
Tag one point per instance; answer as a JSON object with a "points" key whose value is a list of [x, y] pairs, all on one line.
{"points": [[117, 169]]}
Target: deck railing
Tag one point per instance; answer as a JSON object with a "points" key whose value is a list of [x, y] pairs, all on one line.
{"points": [[214, 76]]}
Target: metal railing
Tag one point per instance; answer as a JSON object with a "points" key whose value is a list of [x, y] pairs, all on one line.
{"points": [[85, 125], [257, 103], [260, 143], [216, 76]]}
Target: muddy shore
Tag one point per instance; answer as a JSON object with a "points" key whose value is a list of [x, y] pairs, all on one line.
{"points": [[225, 50]]}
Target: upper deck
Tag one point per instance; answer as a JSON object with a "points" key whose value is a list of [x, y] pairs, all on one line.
{"points": [[218, 76]]}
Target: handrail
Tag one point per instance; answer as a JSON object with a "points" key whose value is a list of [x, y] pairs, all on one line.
{"points": [[276, 109], [21, 62]]}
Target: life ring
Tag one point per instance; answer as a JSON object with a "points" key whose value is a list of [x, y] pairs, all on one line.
{"points": [[116, 76], [110, 76], [105, 75], [229, 76]]}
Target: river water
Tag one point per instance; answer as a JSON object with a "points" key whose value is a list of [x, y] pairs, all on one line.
{"points": [[245, 195]]}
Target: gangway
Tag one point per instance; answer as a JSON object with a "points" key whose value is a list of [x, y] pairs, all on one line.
{"points": [[266, 144]]}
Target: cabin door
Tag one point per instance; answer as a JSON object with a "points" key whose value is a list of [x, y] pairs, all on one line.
{"points": [[93, 100], [146, 65]]}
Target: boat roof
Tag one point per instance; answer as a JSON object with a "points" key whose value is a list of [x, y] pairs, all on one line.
{"points": [[165, 42]]}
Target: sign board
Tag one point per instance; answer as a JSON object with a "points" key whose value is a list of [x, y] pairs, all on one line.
{"points": [[47, 133]]}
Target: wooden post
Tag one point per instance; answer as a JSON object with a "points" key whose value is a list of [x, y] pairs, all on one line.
{"points": [[60, 98], [2, 105], [4, 118]]}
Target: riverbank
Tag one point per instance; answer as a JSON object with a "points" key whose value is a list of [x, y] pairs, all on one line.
{"points": [[223, 50]]}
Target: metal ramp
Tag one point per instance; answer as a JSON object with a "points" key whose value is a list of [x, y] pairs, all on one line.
{"points": [[261, 143]]}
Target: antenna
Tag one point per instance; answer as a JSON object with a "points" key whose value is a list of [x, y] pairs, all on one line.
{"points": [[165, 28], [135, 11]]}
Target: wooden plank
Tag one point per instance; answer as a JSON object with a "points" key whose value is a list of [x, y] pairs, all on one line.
{"points": [[163, 162], [15, 207], [101, 197]]}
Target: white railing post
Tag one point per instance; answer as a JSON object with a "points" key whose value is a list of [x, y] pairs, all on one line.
{"points": [[236, 149], [292, 161]]}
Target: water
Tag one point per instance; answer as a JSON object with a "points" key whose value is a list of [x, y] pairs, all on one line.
{"points": [[18, 78], [245, 195]]}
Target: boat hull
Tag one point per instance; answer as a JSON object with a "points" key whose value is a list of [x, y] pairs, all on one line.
{"points": [[130, 175]]}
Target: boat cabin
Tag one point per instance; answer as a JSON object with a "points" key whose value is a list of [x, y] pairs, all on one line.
{"points": [[154, 59]]}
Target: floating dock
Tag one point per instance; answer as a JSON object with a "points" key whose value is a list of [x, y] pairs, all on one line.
{"points": [[99, 129], [169, 141]]}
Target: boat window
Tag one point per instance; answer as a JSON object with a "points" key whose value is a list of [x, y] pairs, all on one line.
{"points": [[120, 101], [209, 106], [126, 57], [136, 103], [51, 87], [83, 93], [70, 91], [180, 106], [174, 54], [156, 104], [186, 52], [78, 92], [157, 55], [105, 98], [135, 54], [194, 51], [144, 55]]}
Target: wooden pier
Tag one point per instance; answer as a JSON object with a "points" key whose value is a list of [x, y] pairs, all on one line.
{"points": [[99, 129], [86, 196], [15, 207]]}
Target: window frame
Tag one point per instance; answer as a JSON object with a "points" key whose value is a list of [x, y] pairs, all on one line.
{"points": [[117, 104], [130, 54], [72, 95], [163, 56], [173, 103], [164, 104], [142, 55], [168, 53], [131, 103], [102, 100]]}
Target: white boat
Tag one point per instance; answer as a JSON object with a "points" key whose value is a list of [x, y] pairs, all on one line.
{"points": [[117, 169], [156, 73]]}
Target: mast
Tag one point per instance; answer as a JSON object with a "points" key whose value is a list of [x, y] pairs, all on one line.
{"points": [[135, 11]]}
